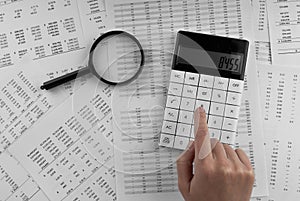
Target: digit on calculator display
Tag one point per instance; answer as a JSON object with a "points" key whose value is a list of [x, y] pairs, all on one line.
{"points": [[210, 54]]}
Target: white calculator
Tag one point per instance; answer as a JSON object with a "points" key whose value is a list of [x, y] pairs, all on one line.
{"points": [[207, 71]]}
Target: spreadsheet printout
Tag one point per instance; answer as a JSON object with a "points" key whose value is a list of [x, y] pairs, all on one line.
{"points": [[261, 32], [284, 24], [36, 30], [42, 37], [16, 183], [25, 105], [22, 104], [104, 178], [280, 96], [71, 158], [31, 26], [93, 18], [47, 37], [137, 125], [260, 24]]}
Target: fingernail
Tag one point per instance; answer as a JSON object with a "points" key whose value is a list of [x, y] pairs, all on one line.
{"points": [[201, 109]]}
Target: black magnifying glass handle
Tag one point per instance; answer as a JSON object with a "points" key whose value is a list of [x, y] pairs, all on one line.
{"points": [[65, 78]]}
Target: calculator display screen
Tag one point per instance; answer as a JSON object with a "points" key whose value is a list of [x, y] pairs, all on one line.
{"points": [[210, 54], [200, 58]]}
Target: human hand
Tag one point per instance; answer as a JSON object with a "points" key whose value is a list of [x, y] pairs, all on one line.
{"points": [[220, 173]]}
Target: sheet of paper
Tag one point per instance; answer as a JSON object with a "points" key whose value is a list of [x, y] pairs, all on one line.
{"points": [[71, 158], [99, 187], [42, 37], [93, 18], [22, 104], [137, 110], [7, 2], [261, 32], [250, 130], [263, 52], [43, 40], [48, 42], [284, 31], [280, 97], [16, 183], [260, 22], [37, 30]]}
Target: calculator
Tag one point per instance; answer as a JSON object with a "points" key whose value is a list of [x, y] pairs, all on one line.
{"points": [[208, 71]]}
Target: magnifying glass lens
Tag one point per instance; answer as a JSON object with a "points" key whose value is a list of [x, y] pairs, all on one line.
{"points": [[117, 58]]}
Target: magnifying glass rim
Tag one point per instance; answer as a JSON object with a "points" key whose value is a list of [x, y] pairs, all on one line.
{"points": [[98, 40]]}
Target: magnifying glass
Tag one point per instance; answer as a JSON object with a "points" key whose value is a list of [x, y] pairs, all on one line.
{"points": [[116, 57]]}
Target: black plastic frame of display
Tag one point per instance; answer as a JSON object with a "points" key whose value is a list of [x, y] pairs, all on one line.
{"points": [[211, 43]]}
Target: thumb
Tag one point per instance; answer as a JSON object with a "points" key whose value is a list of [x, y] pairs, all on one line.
{"points": [[185, 169]]}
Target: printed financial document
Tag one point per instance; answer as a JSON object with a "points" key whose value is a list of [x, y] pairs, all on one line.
{"points": [[69, 160], [93, 18], [261, 32], [44, 37], [30, 41], [143, 169], [16, 183], [70, 154], [39, 40], [284, 31], [279, 92], [38, 30], [280, 97], [22, 104]]}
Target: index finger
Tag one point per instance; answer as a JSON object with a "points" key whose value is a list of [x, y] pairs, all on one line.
{"points": [[202, 139]]}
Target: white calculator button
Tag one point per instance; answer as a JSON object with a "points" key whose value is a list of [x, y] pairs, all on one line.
{"points": [[185, 117], [232, 111], [191, 78], [217, 109], [166, 140], [173, 102], [218, 96], [221, 83], [175, 89], [189, 91], [181, 142], [183, 130], [236, 85], [228, 137], [204, 93], [171, 114], [204, 104], [187, 104], [169, 127], [206, 81], [215, 121], [234, 98], [229, 124], [214, 133], [177, 76]]}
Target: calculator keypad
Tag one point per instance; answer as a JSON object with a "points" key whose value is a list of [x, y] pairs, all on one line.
{"points": [[220, 97]]}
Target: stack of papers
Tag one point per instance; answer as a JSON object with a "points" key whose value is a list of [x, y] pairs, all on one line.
{"points": [[87, 140]]}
